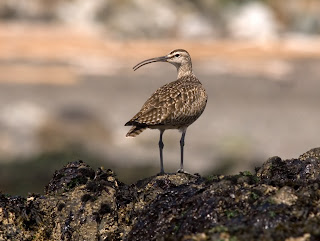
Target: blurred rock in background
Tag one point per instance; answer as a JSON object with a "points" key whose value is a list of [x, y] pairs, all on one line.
{"points": [[67, 85], [19, 124], [167, 19], [253, 21]]}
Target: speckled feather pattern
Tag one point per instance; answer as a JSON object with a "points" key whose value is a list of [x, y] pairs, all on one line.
{"points": [[173, 106]]}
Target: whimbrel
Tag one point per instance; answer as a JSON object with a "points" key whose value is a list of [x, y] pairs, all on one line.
{"points": [[175, 105]]}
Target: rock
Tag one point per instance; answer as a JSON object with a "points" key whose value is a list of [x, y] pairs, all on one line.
{"points": [[19, 122], [195, 26], [284, 195], [278, 202], [305, 237], [253, 21], [312, 154]]}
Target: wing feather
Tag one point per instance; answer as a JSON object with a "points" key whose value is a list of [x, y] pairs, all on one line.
{"points": [[176, 103]]}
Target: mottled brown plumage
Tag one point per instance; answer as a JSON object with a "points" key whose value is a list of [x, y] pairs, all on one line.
{"points": [[175, 105]]}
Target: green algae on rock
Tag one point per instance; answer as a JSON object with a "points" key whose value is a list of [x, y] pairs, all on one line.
{"points": [[279, 202]]}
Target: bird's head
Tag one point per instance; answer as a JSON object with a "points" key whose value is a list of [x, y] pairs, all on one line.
{"points": [[177, 57]]}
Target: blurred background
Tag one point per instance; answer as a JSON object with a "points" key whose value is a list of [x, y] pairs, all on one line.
{"points": [[67, 86]]}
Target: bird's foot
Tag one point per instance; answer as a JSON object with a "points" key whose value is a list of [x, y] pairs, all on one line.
{"points": [[181, 171], [161, 173], [188, 173]]}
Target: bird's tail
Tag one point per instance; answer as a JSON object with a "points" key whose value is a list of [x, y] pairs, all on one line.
{"points": [[135, 130]]}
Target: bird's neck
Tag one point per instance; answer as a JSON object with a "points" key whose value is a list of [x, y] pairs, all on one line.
{"points": [[183, 70]]}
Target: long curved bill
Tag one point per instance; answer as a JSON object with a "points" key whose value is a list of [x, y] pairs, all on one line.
{"points": [[149, 61]]}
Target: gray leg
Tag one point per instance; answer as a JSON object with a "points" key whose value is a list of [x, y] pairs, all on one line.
{"points": [[181, 149], [161, 145]]}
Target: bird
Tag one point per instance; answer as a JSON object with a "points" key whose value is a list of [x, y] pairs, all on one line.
{"points": [[175, 105]]}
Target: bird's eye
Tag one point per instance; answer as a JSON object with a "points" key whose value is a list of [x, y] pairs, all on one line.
{"points": [[177, 55]]}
